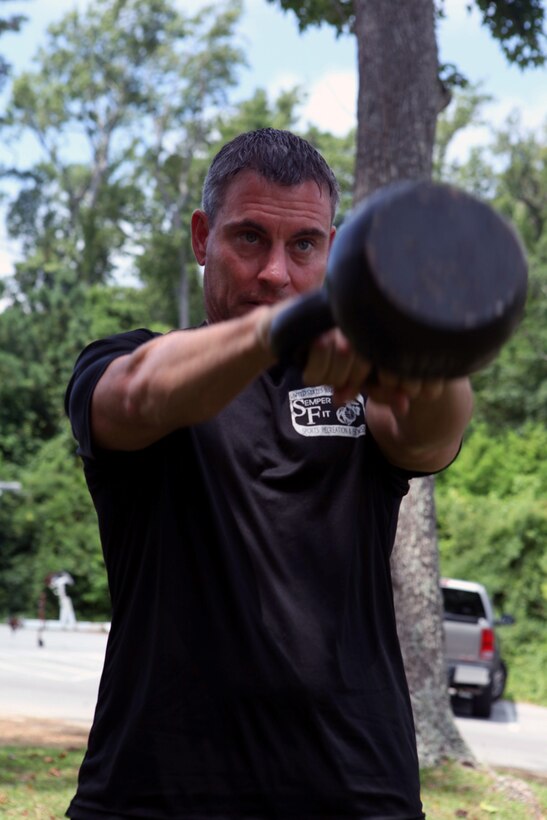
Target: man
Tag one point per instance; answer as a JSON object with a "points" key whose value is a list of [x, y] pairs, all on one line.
{"points": [[247, 513]]}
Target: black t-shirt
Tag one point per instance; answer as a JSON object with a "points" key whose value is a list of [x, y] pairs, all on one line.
{"points": [[252, 668]]}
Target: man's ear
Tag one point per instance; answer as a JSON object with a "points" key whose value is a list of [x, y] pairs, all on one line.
{"points": [[331, 237], [200, 232]]}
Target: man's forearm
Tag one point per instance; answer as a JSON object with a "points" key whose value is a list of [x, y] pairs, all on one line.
{"points": [[427, 437], [176, 380]]}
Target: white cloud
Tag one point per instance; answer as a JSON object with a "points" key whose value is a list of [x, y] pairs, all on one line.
{"points": [[532, 113], [6, 263], [8, 253], [332, 102], [6, 269]]}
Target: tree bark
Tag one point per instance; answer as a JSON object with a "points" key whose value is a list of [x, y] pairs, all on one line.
{"points": [[400, 97], [418, 604], [399, 92]]}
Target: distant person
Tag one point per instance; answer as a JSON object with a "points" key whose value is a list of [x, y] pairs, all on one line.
{"points": [[14, 623], [58, 583], [247, 513], [42, 615]]}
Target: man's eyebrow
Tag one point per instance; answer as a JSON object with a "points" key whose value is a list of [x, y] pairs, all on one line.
{"points": [[319, 232], [251, 224]]}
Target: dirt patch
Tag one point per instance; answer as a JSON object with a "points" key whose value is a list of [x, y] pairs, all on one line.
{"points": [[25, 731], [519, 791]]}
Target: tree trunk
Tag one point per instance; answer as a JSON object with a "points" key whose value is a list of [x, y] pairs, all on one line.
{"points": [[415, 572], [399, 99], [399, 92]]}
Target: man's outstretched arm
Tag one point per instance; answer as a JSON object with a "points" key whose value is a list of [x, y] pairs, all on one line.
{"points": [[176, 380], [186, 377], [424, 431]]}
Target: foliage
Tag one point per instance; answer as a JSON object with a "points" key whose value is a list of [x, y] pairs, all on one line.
{"points": [[116, 309], [492, 517], [53, 527], [498, 488], [524, 648], [464, 110], [11, 23], [37, 348], [178, 180], [512, 176], [123, 101], [516, 24], [340, 154], [39, 341], [513, 389], [339, 14], [520, 192], [52, 522], [491, 502]]}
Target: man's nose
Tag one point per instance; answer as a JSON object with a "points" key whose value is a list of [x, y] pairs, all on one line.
{"points": [[275, 269]]}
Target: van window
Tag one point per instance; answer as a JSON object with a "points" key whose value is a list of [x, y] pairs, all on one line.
{"points": [[461, 603]]}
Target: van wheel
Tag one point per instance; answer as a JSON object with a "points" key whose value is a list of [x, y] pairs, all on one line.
{"points": [[481, 705], [499, 680]]}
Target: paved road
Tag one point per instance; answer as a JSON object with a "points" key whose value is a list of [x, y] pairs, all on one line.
{"points": [[60, 680], [515, 736]]}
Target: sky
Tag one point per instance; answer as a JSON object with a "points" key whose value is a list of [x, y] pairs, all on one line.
{"points": [[280, 57]]}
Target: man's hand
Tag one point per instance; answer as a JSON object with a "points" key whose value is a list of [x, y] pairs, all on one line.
{"points": [[398, 393], [333, 361], [417, 423]]}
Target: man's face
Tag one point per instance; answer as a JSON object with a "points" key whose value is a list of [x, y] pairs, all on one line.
{"points": [[268, 242]]}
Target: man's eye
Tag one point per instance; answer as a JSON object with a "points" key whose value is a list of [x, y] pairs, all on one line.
{"points": [[251, 237], [304, 244]]}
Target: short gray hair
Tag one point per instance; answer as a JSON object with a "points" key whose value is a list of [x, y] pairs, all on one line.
{"points": [[279, 156]]}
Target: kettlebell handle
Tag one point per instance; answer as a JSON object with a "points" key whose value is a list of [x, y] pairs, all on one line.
{"points": [[294, 329]]}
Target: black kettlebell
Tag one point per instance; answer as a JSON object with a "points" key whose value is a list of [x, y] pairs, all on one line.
{"points": [[424, 279]]}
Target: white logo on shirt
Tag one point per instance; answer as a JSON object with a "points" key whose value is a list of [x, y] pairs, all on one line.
{"points": [[314, 414]]}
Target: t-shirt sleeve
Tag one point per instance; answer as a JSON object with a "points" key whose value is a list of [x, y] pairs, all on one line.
{"points": [[90, 366]]}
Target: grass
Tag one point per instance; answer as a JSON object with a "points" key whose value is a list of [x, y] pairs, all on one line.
{"points": [[476, 793], [39, 783]]}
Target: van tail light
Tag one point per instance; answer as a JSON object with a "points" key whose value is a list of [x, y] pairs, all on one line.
{"points": [[486, 651]]}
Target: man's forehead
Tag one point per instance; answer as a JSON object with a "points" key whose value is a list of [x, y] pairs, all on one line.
{"points": [[252, 192]]}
